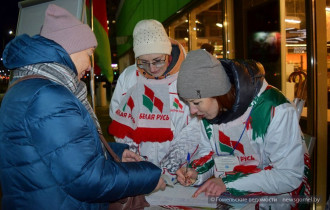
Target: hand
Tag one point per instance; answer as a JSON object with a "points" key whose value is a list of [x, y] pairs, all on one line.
{"points": [[129, 156], [188, 178], [212, 187], [161, 185]]}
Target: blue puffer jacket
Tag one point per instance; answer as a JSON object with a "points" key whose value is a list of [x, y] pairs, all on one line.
{"points": [[50, 153]]}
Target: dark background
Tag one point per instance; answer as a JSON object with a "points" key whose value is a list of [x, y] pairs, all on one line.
{"points": [[9, 16]]}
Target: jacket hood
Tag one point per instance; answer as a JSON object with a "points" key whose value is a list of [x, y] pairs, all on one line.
{"points": [[247, 77], [25, 50]]}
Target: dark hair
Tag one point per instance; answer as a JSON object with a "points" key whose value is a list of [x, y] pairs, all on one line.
{"points": [[208, 47], [226, 101]]}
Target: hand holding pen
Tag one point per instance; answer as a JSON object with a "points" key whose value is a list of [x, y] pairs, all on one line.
{"points": [[186, 176]]}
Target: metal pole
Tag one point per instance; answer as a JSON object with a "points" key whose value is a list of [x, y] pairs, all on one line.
{"points": [[92, 80]]}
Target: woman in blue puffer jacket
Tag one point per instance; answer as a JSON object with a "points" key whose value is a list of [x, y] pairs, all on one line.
{"points": [[51, 156]]}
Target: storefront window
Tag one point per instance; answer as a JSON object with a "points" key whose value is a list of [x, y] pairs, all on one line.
{"points": [[209, 27], [296, 55], [179, 30], [258, 28], [203, 24]]}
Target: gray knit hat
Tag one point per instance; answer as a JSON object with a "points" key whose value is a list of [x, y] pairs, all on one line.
{"points": [[202, 76], [149, 37], [66, 30]]}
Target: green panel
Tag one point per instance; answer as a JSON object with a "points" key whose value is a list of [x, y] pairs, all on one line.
{"points": [[147, 103], [121, 49], [133, 11]]}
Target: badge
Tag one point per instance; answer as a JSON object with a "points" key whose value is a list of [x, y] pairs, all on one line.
{"points": [[225, 163]]}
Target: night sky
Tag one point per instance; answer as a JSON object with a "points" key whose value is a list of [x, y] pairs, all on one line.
{"points": [[8, 17]]}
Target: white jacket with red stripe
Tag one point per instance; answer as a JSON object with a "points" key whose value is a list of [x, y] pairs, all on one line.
{"points": [[277, 153], [169, 155]]}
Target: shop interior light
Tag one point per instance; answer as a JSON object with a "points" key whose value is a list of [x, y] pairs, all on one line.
{"points": [[291, 41], [292, 21], [219, 25], [295, 45], [327, 9]]}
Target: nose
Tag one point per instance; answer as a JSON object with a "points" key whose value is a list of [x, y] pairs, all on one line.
{"points": [[152, 67], [193, 109]]}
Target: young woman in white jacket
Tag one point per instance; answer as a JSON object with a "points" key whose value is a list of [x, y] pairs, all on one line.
{"points": [[146, 111], [255, 144]]}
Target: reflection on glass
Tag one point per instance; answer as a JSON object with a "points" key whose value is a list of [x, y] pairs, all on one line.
{"points": [[209, 27], [296, 56], [203, 24], [179, 30]]}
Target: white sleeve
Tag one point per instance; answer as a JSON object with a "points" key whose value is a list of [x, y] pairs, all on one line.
{"points": [[284, 150], [205, 148], [186, 138]]}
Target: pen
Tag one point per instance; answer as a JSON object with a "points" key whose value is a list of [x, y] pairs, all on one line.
{"points": [[188, 163]]}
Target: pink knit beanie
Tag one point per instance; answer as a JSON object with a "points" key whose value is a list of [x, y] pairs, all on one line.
{"points": [[66, 30]]}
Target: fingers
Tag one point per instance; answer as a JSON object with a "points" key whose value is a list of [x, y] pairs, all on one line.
{"points": [[161, 185], [136, 157], [129, 156], [186, 177], [200, 189], [129, 160], [192, 173], [181, 175], [190, 177], [181, 180], [212, 190], [213, 187]]}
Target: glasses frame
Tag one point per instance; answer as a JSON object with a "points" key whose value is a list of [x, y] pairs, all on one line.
{"points": [[146, 66]]}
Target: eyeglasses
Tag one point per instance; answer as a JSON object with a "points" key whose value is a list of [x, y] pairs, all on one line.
{"points": [[146, 66]]}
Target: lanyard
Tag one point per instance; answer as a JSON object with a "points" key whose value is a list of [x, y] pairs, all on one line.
{"points": [[232, 152]]}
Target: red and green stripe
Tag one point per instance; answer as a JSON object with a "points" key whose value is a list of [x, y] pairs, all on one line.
{"points": [[263, 110]]}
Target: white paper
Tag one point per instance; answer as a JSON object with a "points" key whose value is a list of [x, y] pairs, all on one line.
{"points": [[181, 196]]}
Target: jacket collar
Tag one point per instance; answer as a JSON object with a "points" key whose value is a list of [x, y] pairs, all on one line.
{"points": [[247, 77]]}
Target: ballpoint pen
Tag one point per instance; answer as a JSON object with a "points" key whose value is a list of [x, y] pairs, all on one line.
{"points": [[188, 163]]}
